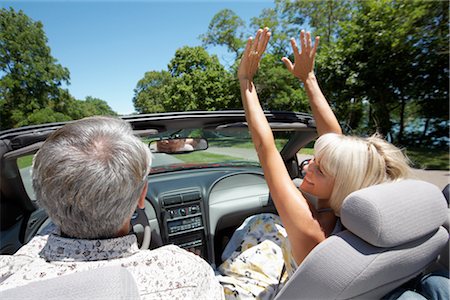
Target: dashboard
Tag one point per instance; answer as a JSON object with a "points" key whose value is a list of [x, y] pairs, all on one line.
{"points": [[199, 209]]}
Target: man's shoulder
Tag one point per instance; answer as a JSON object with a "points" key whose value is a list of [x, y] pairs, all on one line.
{"points": [[173, 255], [33, 247], [175, 267], [171, 250]]}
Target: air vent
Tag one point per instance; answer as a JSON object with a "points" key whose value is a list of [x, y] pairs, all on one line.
{"points": [[183, 197]]}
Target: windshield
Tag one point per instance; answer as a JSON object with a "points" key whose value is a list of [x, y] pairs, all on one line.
{"points": [[225, 148], [229, 147]]}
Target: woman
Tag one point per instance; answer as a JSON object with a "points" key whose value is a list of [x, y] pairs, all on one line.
{"points": [[258, 250]]}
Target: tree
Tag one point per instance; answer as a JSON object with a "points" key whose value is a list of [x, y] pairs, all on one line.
{"points": [[281, 31], [224, 30], [194, 81], [200, 82], [277, 88], [31, 78], [150, 93], [380, 59], [323, 17], [95, 107], [431, 85]]}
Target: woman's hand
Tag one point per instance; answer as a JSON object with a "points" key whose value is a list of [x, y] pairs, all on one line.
{"points": [[252, 54], [303, 65]]}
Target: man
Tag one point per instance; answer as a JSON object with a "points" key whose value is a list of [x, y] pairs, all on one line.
{"points": [[90, 175]]}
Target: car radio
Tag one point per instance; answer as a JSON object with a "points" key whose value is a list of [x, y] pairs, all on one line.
{"points": [[182, 214], [180, 225]]}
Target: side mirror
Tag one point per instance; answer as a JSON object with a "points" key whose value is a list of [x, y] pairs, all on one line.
{"points": [[178, 145]]}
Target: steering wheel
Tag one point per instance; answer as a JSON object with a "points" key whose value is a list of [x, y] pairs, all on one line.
{"points": [[302, 166], [141, 228]]}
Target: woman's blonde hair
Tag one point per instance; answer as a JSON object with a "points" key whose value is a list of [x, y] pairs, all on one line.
{"points": [[356, 163]]}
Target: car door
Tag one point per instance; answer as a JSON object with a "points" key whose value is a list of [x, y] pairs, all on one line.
{"points": [[20, 215]]}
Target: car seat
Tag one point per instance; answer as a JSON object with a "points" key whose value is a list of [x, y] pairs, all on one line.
{"points": [[112, 282], [393, 233], [443, 261]]}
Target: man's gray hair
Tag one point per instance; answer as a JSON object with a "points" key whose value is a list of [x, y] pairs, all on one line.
{"points": [[89, 175]]}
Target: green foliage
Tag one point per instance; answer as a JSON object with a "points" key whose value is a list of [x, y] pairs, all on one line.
{"points": [[150, 93], [195, 81], [89, 107], [200, 82], [30, 86], [375, 73], [323, 17], [31, 78], [277, 88], [224, 30], [383, 65], [279, 43], [44, 115]]}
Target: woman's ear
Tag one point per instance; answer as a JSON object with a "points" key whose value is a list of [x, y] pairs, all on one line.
{"points": [[141, 202]]}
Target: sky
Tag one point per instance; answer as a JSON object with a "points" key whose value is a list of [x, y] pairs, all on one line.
{"points": [[109, 45]]}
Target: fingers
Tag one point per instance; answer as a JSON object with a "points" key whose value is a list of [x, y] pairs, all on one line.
{"points": [[257, 40], [261, 40], [294, 46], [253, 51], [316, 44], [265, 37], [302, 39], [289, 65], [253, 55], [305, 43], [248, 46], [308, 40]]}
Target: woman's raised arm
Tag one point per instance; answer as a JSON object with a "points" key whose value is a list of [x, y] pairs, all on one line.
{"points": [[303, 230], [303, 69]]}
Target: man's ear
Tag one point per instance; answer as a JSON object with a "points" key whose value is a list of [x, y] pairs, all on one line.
{"points": [[141, 202]]}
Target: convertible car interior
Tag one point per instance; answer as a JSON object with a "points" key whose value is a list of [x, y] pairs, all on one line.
{"points": [[200, 191]]}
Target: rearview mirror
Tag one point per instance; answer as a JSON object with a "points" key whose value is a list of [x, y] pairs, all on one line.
{"points": [[178, 145]]}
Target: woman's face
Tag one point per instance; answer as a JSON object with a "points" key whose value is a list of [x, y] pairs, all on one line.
{"points": [[316, 182], [170, 145]]}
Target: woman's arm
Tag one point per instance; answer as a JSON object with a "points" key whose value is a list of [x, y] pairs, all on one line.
{"points": [[303, 230], [303, 69]]}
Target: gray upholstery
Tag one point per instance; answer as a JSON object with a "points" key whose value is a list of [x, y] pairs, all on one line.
{"points": [[103, 283], [443, 261], [393, 233], [394, 214]]}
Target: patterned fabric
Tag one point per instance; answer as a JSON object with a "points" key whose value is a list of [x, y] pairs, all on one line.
{"points": [[168, 272], [254, 259]]}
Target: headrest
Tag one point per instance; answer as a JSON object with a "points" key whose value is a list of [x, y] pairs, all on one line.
{"points": [[390, 214]]}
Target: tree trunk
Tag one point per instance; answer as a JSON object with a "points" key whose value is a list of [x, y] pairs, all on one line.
{"points": [[424, 132], [402, 121]]}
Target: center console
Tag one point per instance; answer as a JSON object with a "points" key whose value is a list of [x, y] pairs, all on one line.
{"points": [[182, 213]]}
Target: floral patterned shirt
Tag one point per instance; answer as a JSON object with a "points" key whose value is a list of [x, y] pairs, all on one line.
{"points": [[168, 272]]}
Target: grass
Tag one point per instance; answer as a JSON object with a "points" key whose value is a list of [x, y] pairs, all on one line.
{"points": [[205, 157], [429, 159], [243, 143], [25, 161], [309, 151]]}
